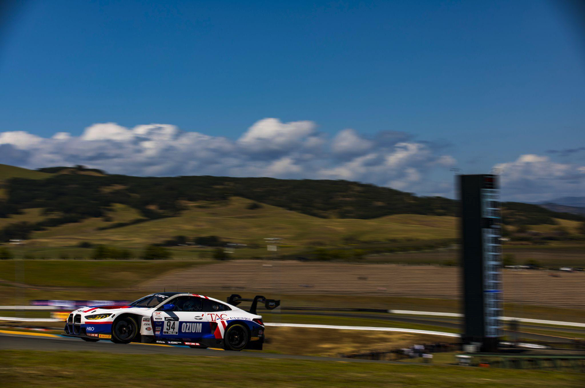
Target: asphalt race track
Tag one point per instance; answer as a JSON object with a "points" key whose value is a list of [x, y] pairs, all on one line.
{"points": [[53, 342]]}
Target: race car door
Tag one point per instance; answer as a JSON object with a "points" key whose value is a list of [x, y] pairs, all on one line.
{"points": [[185, 321]]}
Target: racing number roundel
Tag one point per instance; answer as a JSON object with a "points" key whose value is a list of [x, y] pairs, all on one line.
{"points": [[171, 327]]}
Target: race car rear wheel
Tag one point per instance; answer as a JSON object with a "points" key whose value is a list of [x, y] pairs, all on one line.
{"points": [[236, 337], [124, 330]]}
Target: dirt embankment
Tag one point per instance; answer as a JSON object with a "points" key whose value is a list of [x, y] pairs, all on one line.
{"points": [[291, 277]]}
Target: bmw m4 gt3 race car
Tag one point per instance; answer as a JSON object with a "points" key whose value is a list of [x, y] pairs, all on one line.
{"points": [[174, 318]]}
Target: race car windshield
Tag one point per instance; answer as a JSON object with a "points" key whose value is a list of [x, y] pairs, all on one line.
{"points": [[149, 301]]}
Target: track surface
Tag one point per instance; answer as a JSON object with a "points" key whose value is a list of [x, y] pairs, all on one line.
{"points": [[49, 342]]}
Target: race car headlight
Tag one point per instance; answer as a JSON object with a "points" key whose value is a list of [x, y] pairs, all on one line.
{"points": [[95, 317]]}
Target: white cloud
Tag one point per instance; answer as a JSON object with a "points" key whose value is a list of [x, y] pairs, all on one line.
{"points": [[107, 131], [349, 142], [62, 136], [20, 139], [533, 178], [283, 167], [273, 135], [447, 161], [411, 176], [160, 132], [268, 148]]}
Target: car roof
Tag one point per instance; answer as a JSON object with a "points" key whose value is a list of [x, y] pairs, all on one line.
{"points": [[169, 293]]}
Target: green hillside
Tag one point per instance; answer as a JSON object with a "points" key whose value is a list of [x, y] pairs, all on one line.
{"points": [[8, 172], [77, 204], [232, 220]]}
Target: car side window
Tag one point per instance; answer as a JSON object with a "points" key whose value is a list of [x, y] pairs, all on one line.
{"points": [[187, 303], [211, 306]]}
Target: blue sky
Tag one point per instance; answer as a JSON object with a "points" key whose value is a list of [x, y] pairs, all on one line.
{"points": [[482, 83]]}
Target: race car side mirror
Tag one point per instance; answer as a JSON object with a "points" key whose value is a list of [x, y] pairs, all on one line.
{"points": [[168, 307]]}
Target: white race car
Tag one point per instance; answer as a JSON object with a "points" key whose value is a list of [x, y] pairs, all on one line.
{"points": [[174, 318]]}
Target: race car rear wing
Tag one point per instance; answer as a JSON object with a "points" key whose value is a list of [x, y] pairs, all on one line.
{"points": [[270, 304]]}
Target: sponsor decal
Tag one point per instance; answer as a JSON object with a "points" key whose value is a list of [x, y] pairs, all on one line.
{"points": [[105, 336], [146, 325], [158, 319], [219, 330], [175, 342], [191, 327], [199, 317], [193, 343], [92, 334], [216, 317], [161, 342], [171, 328], [90, 328]]}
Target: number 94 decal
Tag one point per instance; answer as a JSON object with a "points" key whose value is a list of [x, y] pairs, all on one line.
{"points": [[171, 327]]}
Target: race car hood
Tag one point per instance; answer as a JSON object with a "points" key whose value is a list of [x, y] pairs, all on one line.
{"points": [[109, 310]]}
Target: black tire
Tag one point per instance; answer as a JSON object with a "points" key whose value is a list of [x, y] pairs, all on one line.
{"points": [[236, 337], [124, 330], [90, 339]]}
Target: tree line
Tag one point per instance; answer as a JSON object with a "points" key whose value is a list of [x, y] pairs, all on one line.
{"points": [[68, 198]]}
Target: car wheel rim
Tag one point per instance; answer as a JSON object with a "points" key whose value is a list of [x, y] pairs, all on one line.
{"points": [[236, 337], [124, 330]]}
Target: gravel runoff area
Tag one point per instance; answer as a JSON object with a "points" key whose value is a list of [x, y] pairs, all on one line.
{"points": [[537, 287]]}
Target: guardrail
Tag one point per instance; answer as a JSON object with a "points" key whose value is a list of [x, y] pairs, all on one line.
{"points": [[29, 308], [364, 328], [396, 312], [436, 314]]}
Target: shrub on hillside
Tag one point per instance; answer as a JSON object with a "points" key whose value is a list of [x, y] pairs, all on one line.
{"points": [[209, 241], [6, 254], [220, 254], [254, 206], [102, 252], [533, 263], [175, 241], [509, 259], [153, 252]]}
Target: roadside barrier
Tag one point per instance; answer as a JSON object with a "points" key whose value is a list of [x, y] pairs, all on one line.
{"points": [[284, 309], [364, 328]]}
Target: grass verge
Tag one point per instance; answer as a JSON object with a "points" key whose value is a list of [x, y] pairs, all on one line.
{"points": [[75, 273], [62, 369]]}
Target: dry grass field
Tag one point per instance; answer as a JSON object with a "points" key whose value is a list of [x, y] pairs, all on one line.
{"points": [[333, 343], [292, 277], [233, 221]]}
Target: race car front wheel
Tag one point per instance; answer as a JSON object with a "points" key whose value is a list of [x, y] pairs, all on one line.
{"points": [[236, 337], [124, 330]]}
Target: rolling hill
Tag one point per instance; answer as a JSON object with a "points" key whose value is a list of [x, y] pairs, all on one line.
{"points": [[61, 205], [9, 172]]}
